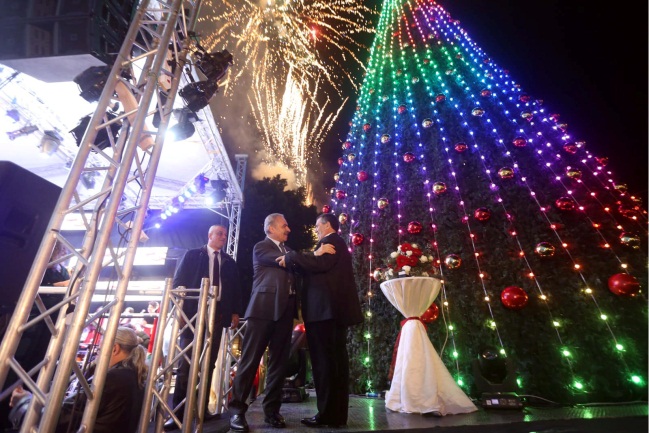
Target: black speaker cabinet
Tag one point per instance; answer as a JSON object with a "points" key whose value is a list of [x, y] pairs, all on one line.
{"points": [[26, 205]]}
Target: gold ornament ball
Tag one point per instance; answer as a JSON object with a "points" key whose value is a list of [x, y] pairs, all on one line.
{"points": [[427, 123], [439, 188], [351, 157], [573, 173], [342, 218], [477, 112], [630, 240], [506, 173], [382, 203], [385, 138]]}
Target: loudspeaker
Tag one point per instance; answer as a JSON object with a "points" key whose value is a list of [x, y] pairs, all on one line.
{"points": [[26, 205]]}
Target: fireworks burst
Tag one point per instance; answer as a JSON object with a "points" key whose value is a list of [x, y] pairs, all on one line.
{"points": [[285, 53]]}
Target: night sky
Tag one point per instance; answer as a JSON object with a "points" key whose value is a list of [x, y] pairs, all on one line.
{"points": [[587, 61]]}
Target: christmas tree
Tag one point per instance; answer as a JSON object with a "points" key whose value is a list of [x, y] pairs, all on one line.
{"points": [[541, 249]]}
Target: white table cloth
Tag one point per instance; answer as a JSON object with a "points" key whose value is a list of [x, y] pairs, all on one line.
{"points": [[421, 382]]}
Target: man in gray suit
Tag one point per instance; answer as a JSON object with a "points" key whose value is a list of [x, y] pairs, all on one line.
{"points": [[269, 318]]}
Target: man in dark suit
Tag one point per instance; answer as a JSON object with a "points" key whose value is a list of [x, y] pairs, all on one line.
{"points": [[269, 322], [210, 262], [330, 305]]}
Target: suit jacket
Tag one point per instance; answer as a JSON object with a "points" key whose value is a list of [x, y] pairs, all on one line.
{"points": [[270, 284], [329, 286], [195, 266]]}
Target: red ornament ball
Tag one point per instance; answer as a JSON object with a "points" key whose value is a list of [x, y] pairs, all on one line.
{"points": [[506, 173], [513, 297], [453, 261], [602, 161], [342, 218], [439, 188], [524, 98], [402, 109], [565, 203], [347, 144], [340, 161], [409, 157], [485, 93], [431, 314], [367, 127], [570, 148], [555, 117], [482, 214], [382, 203], [461, 147], [544, 249], [519, 142], [326, 208], [414, 227], [385, 138], [627, 211], [623, 285], [440, 98], [362, 176], [477, 112], [357, 239], [340, 194]]}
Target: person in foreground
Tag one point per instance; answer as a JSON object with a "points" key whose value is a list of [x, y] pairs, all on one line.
{"points": [[330, 305], [121, 400], [269, 317], [210, 262]]}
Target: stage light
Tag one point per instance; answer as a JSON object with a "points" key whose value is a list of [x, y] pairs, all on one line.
{"points": [[91, 82], [213, 65], [50, 142], [220, 187], [101, 140], [198, 95], [495, 379], [185, 126]]}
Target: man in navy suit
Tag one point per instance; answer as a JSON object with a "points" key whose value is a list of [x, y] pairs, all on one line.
{"points": [[269, 323], [330, 305], [197, 264]]}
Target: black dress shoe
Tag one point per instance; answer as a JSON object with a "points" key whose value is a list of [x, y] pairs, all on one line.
{"points": [[170, 425], [238, 423], [316, 421], [275, 420]]}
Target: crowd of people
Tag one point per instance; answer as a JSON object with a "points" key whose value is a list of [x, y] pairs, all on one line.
{"points": [[320, 283]]}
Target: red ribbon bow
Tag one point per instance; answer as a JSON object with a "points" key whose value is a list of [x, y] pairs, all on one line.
{"points": [[396, 345]]}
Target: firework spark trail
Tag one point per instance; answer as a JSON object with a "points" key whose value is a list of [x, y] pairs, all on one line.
{"points": [[293, 126], [283, 52]]}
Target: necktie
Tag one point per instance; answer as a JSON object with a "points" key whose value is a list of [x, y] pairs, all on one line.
{"points": [[281, 247], [216, 275]]}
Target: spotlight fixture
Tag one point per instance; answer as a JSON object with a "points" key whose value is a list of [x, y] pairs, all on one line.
{"points": [[101, 140], [91, 82], [198, 95], [25, 130], [213, 65], [50, 142], [495, 379], [219, 192], [184, 128]]}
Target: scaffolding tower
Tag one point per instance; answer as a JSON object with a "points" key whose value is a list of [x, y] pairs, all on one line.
{"points": [[160, 45]]}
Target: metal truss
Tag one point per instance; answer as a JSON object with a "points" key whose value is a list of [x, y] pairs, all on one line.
{"points": [[159, 32]]}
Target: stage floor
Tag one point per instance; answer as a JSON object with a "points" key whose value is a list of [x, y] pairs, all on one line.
{"points": [[371, 415]]}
